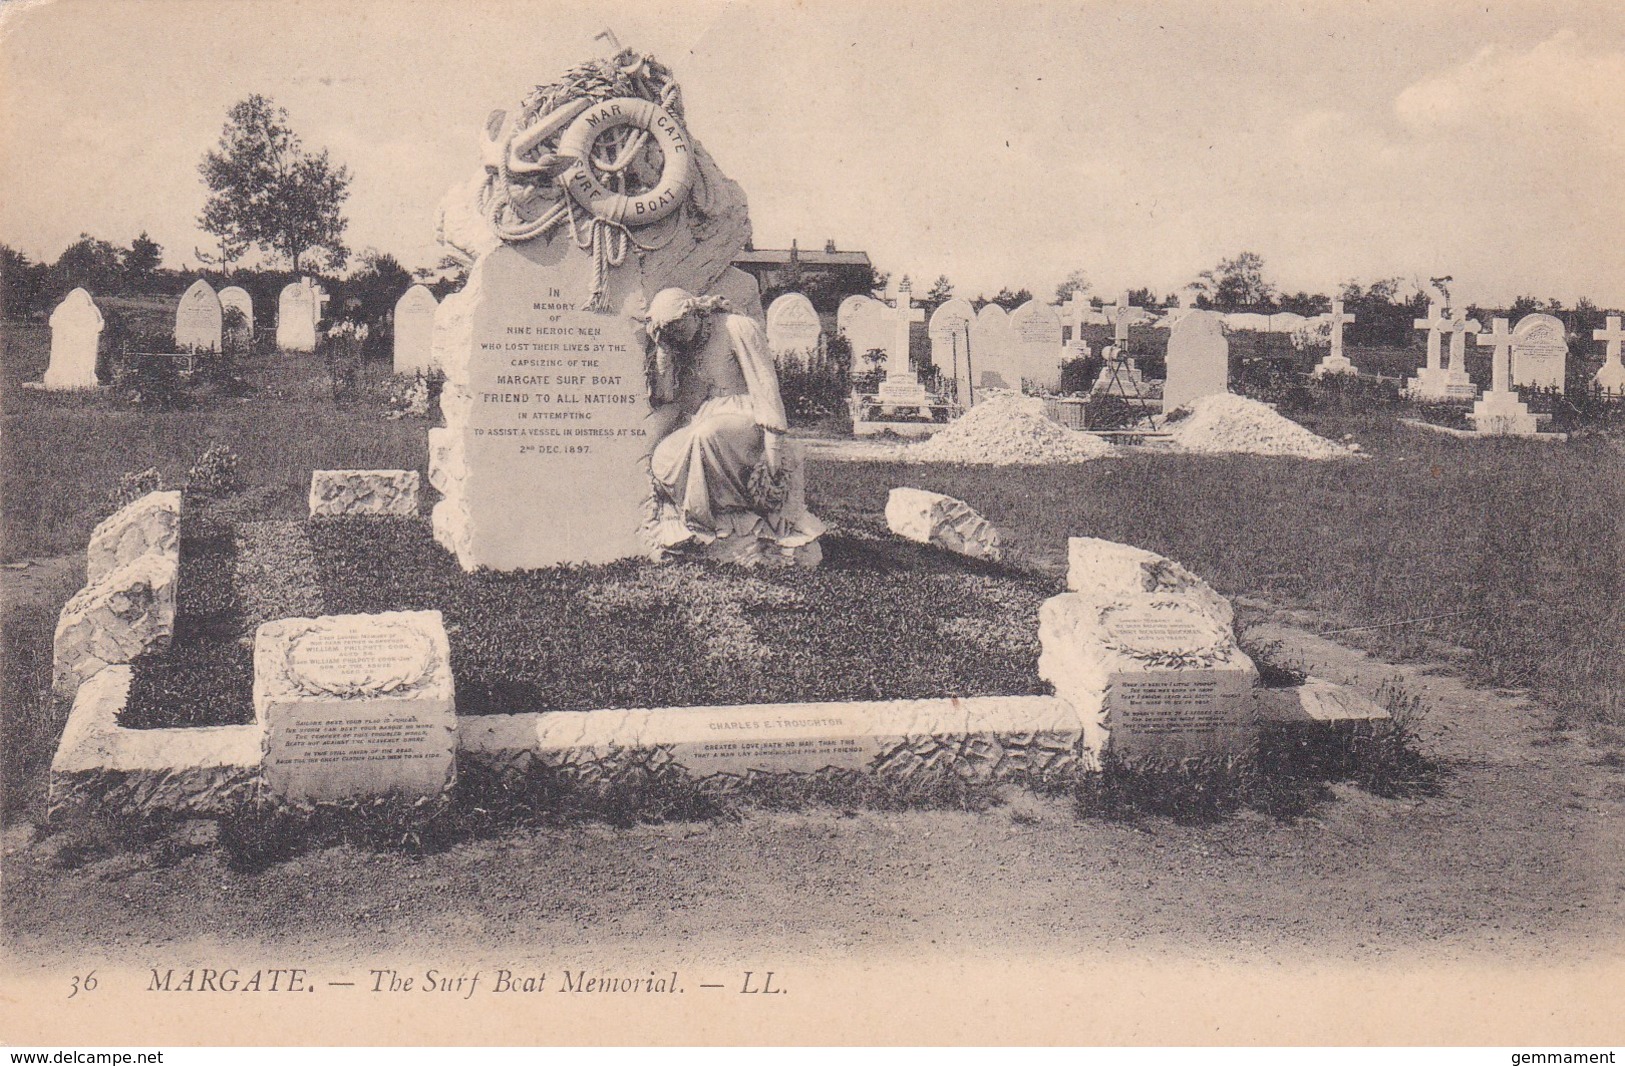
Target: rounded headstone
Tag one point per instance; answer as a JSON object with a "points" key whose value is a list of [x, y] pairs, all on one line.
{"points": [[793, 325], [198, 319]]}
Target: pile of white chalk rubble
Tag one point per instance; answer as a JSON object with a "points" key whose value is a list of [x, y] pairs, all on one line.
{"points": [[1005, 430], [1225, 422], [1008, 429]]}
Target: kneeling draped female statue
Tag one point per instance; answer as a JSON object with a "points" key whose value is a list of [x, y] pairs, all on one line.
{"points": [[722, 467]]}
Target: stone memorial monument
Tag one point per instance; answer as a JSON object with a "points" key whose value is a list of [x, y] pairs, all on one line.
{"points": [[992, 346], [198, 319], [76, 330], [356, 706], [414, 330], [1198, 360], [793, 326], [299, 308], [1611, 377], [1145, 653], [1540, 352], [609, 392], [1500, 413], [1037, 331]]}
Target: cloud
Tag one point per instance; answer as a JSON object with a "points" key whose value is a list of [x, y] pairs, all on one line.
{"points": [[1559, 85]]}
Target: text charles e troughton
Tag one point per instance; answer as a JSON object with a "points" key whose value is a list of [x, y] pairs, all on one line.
{"points": [[453, 982]]}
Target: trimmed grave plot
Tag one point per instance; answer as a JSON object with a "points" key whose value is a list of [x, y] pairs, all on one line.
{"points": [[881, 619]]}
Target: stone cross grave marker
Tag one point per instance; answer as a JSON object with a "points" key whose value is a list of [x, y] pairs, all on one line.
{"points": [[992, 358], [76, 329], [1076, 307], [1499, 412], [1037, 330], [414, 330], [1459, 327], [1428, 383], [1540, 352], [235, 296], [198, 319], [1198, 360], [793, 325], [902, 385], [1611, 378], [1336, 362]]}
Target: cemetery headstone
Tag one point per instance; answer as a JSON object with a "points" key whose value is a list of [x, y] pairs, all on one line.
{"points": [[1073, 314], [1429, 382], [76, 329], [198, 319], [949, 331], [235, 296], [793, 325], [1037, 331], [1540, 352], [356, 706], [1500, 413], [864, 322], [299, 308], [992, 348], [553, 424], [1335, 362], [1457, 383], [1198, 360], [1611, 378], [414, 330]]}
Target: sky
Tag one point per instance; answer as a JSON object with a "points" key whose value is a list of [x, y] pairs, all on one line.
{"points": [[1000, 144]]}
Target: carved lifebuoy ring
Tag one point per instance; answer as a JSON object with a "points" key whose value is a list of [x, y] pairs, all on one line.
{"points": [[676, 178]]}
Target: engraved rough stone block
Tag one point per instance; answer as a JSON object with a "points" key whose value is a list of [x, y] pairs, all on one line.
{"points": [[1105, 571], [932, 518], [1152, 676], [149, 524], [356, 705], [127, 612], [338, 493]]}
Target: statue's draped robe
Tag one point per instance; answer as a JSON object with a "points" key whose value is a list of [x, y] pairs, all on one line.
{"points": [[703, 469]]}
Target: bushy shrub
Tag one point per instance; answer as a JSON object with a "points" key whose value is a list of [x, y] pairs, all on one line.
{"points": [[814, 387], [215, 473], [133, 485], [1078, 375]]}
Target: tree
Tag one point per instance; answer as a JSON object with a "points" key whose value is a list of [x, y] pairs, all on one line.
{"points": [[88, 262], [266, 190], [378, 283], [1076, 282], [942, 290], [1237, 284], [22, 284], [878, 280], [1011, 300], [141, 261]]}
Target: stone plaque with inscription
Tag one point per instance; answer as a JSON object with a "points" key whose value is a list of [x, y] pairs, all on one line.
{"points": [[356, 705], [547, 412], [1154, 677]]}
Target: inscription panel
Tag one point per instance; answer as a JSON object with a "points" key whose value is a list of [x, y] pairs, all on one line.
{"points": [[558, 422], [1180, 714]]}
